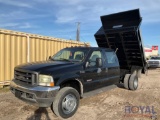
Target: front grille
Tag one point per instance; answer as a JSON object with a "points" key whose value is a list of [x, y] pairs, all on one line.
{"points": [[25, 77], [153, 62]]}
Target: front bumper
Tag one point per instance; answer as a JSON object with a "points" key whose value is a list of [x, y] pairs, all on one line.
{"points": [[36, 95], [154, 65]]}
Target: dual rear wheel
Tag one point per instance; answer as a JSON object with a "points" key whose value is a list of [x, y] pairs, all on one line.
{"points": [[131, 81]]}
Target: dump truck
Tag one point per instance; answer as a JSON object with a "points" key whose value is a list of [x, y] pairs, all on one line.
{"points": [[76, 72]]}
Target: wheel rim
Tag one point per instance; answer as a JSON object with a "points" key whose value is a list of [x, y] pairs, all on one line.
{"points": [[69, 103], [135, 83]]}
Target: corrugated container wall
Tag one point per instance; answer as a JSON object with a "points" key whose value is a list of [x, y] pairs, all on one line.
{"points": [[18, 48]]}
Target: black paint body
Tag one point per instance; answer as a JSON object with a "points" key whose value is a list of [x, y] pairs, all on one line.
{"points": [[63, 71]]}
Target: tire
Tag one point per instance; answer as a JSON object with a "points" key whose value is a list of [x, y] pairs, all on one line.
{"points": [[145, 68], [139, 71], [65, 96], [133, 82], [134, 72], [126, 79]]}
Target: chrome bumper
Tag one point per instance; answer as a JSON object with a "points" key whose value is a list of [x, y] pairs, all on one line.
{"points": [[36, 95], [154, 65]]}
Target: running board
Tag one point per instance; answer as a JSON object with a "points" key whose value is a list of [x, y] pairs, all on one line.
{"points": [[97, 91]]}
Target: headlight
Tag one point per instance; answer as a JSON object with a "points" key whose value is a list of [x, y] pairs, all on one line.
{"points": [[46, 80]]}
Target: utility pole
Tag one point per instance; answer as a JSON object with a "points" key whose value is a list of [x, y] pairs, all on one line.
{"points": [[78, 31]]}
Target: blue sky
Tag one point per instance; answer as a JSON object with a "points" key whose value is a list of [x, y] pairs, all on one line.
{"points": [[58, 18]]}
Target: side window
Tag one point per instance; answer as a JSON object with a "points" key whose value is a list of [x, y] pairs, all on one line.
{"points": [[79, 55], [111, 57], [93, 57]]}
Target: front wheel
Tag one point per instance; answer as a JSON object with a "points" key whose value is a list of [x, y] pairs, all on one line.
{"points": [[66, 102]]}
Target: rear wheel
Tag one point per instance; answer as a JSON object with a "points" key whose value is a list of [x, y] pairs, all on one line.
{"points": [[66, 102], [126, 79], [133, 82], [139, 71]]}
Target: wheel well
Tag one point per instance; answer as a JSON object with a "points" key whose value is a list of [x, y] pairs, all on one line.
{"points": [[72, 83]]}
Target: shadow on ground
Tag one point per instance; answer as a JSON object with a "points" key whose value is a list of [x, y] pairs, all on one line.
{"points": [[40, 113], [120, 85]]}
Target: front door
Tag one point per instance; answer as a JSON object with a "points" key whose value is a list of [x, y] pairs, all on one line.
{"points": [[93, 74]]}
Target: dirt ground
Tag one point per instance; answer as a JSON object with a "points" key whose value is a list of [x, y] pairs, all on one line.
{"points": [[109, 105]]}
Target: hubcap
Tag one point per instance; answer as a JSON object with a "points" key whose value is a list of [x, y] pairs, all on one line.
{"points": [[135, 83], [69, 103]]}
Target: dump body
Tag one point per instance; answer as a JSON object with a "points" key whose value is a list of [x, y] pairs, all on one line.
{"points": [[121, 32]]}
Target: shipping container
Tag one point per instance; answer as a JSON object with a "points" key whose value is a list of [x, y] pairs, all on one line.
{"points": [[18, 48]]}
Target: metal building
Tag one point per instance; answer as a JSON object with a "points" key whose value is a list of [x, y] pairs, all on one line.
{"points": [[155, 50], [148, 52], [18, 47]]}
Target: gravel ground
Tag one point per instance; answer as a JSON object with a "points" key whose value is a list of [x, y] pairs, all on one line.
{"points": [[109, 105]]}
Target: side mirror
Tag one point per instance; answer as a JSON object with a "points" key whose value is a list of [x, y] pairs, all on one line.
{"points": [[98, 62]]}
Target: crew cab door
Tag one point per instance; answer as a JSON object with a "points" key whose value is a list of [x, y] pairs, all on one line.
{"points": [[93, 74], [112, 64]]}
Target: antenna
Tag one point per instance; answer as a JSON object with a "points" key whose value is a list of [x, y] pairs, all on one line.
{"points": [[78, 31]]}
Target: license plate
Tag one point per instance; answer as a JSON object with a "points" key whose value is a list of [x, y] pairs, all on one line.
{"points": [[18, 94]]}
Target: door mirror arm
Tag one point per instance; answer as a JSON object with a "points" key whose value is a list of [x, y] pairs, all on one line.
{"points": [[87, 64]]}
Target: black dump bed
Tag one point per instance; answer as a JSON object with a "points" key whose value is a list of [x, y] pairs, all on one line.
{"points": [[120, 31]]}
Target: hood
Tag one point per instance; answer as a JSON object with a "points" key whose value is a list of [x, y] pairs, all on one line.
{"points": [[48, 67]]}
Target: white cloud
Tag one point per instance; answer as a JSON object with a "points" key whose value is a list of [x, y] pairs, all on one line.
{"points": [[91, 10], [65, 19], [9, 25], [68, 12], [17, 25], [15, 15], [26, 26], [18, 3]]}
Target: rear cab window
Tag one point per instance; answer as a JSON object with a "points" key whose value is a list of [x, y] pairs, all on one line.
{"points": [[111, 58]]}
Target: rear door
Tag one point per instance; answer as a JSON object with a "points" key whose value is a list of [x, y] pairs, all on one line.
{"points": [[112, 65]]}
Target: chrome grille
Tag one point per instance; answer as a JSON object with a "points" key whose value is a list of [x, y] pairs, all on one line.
{"points": [[26, 77]]}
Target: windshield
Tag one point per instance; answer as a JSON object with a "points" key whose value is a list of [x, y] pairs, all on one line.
{"points": [[71, 54], [155, 58]]}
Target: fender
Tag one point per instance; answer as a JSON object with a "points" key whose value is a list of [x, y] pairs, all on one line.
{"points": [[81, 86], [71, 76]]}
